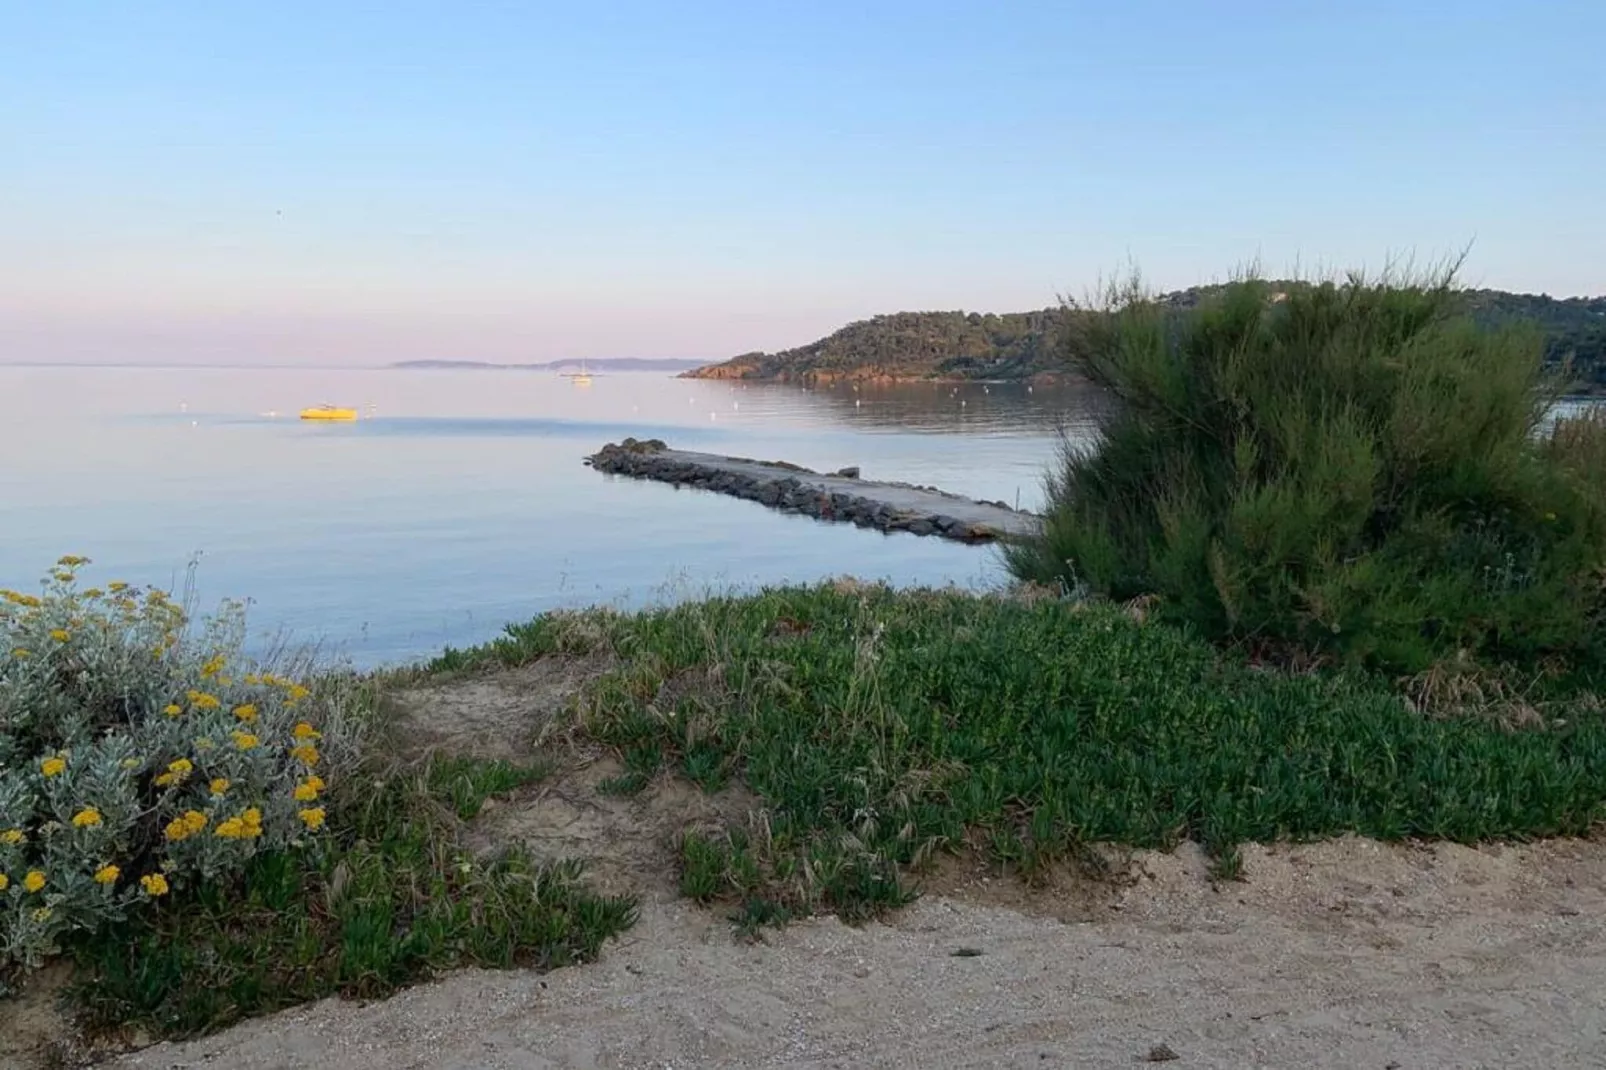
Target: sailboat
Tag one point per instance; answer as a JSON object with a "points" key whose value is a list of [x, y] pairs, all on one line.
{"points": [[581, 377]]}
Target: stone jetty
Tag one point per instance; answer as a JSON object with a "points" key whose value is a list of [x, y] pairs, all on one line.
{"points": [[835, 496]]}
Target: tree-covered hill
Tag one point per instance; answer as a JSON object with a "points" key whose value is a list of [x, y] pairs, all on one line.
{"points": [[1024, 345]]}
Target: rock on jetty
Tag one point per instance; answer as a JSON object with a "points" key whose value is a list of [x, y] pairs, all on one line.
{"points": [[838, 496]]}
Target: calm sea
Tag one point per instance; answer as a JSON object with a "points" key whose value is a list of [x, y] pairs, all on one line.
{"points": [[460, 503]]}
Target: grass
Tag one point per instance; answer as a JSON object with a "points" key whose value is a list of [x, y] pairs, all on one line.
{"points": [[879, 727], [554, 633], [467, 783], [393, 899]]}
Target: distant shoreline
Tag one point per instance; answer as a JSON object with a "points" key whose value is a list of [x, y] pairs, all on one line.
{"points": [[611, 364], [614, 364]]}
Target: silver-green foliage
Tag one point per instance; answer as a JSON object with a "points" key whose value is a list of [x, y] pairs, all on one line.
{"points": [[140, 750]]}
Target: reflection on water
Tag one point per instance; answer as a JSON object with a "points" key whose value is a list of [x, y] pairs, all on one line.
{"points": [[939, 408], [463, 504]]}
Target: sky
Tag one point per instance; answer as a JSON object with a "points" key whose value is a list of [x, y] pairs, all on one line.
{"points": [[361, 182]]}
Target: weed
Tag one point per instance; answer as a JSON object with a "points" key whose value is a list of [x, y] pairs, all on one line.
{"points": [[624, 784], [703, 864], [756, 914], [561, 632], [469, 782]]}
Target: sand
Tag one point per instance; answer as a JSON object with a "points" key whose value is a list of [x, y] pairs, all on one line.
{"points": [[1347, 954]]}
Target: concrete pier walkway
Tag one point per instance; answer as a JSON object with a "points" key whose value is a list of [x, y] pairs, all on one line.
{"points": [[837, 496]]}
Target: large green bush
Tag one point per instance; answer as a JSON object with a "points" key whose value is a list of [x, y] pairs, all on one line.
{"points": [[1349, 469]]}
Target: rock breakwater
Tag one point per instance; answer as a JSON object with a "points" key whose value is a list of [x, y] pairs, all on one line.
{"points": [[841, 496]]}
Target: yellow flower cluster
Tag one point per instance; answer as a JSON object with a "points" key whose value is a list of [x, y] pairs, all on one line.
{"points": [[243, 740], [185, 825], [13, 837], [308, 789], [17, 598], [213, 666], [107, 875], [60, 635], [246, 713], [247, 826], [53, 766], [5, 882], [219, 786], [153, 884], [34, 881], [201, 700], [293, 692], [313, 818], [178, 771], [88, 817]]}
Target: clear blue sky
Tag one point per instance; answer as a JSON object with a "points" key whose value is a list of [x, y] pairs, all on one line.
{"points": [[359, 182]]}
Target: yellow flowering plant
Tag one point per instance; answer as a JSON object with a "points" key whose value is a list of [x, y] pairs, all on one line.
{"points": [[141, 752]]}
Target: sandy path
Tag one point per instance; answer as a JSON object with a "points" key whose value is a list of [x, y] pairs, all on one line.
{"points": [[1344, 954]]}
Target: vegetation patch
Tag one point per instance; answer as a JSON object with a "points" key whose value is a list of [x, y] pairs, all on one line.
{"points": [[877, 727], [393, 898], [208, 837]]}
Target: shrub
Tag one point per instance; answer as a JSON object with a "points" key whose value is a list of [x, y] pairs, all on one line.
{"points": [[1351, 469], [140, 751]]}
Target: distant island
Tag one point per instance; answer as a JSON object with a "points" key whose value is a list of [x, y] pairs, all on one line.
{"points": [[969, 346], [607, 364]]}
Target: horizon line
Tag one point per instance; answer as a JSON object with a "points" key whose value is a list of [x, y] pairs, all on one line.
{"points": [[402, 365]]}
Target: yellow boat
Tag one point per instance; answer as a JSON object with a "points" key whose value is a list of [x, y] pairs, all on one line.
{"points": [[328, 412]]}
